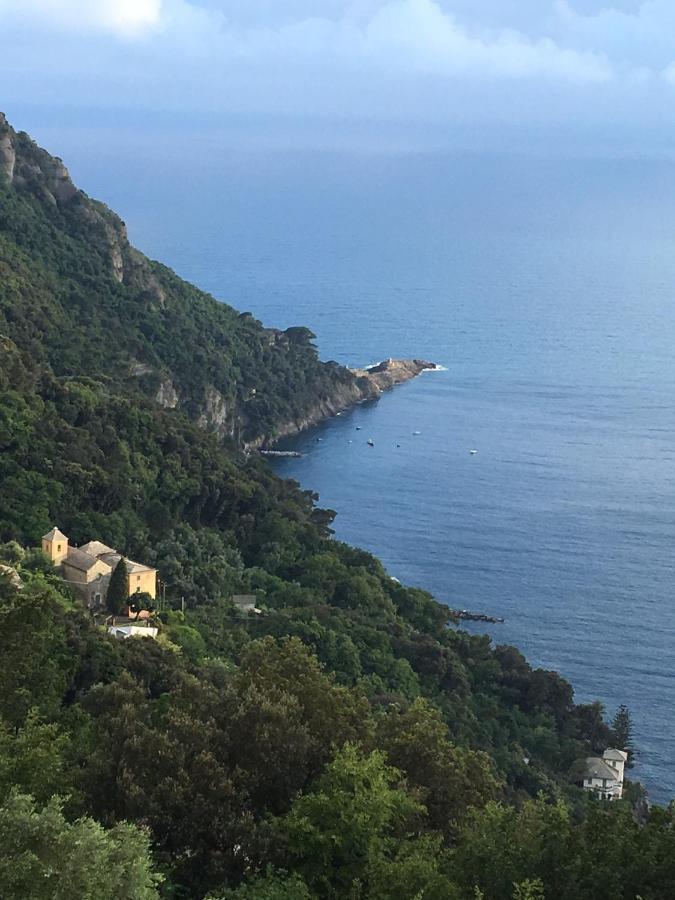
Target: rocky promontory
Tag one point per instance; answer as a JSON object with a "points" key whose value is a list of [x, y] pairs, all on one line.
{"points": [[391, 372], [367, 384]]}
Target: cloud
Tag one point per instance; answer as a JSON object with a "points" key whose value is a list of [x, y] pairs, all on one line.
{"points": [[433, 41], [122, 17], [574, 64]]}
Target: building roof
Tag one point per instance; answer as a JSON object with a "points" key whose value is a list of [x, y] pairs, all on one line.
{"points": [[613, 753], [54, 535], [598, 768], [96, 548], [78, 559], [112, 557]]}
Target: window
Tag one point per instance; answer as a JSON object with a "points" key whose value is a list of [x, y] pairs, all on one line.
{"points": [[138, 589], [138, 578], [58, 548]]}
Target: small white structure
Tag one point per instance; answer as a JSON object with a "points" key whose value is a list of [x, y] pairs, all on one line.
{"points": [[128, 630], [245, 603], [604, 775]]}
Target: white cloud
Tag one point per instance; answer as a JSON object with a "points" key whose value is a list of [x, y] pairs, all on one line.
{"points": [[124, 17], [433, 41], [576, 64]]}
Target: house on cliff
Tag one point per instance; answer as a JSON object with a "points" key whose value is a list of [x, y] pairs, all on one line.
{"points": [[604, 775], [87, 569]]}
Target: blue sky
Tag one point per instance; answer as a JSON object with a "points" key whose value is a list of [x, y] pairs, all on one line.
{"points": [[582, 74]]}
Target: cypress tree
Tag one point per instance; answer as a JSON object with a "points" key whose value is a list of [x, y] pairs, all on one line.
{"points": [[622, 731], [118, 589]]}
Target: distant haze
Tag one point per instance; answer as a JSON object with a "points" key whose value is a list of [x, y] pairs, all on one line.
{"points": [[582, 76]]}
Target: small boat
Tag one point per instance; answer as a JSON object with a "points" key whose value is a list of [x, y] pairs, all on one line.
{"points": [[417, 432], [398, 445], [473, 452], [358, 428], [370, 442]]}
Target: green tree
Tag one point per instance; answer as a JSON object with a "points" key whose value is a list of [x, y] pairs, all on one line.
{"points": [[45, 857], [36, 662], [622, 732], [529, 890], [355, 815], [270, 886], [140, 602], [118, 589], [451, 779], [418, 868], [500, 846], [34, 758]]}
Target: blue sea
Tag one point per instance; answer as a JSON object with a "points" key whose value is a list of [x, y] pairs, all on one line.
{"points": [[546, 290]]}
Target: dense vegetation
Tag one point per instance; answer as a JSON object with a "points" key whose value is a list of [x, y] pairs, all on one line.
{"points": [[77, 298], [347, 743]]}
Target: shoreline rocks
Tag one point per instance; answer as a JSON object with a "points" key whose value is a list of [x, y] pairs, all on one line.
{"points": [[368, 384]]}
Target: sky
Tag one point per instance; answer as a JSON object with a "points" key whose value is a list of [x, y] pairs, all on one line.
{"points": [[586, 75]]}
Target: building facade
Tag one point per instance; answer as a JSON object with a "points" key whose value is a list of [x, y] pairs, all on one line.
{"points": [[604, 775], [87, 569]]}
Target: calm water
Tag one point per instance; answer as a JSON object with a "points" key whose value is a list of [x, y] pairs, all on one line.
{"points": [[548, 292]]}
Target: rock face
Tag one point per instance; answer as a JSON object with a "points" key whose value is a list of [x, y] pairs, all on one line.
{"points": [[393, 371], [368, 384], [214, 416], [7, 152], [167, 395]]}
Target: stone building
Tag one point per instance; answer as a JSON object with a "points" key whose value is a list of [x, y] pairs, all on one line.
{"points": [[87, 569]]}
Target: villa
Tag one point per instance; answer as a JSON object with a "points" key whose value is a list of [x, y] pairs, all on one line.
{"points": [[604, 775], [87, 569]]}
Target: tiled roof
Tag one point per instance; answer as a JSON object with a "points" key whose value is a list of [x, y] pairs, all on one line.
{"points": [[54, 535], [133, 568], [598, 768], [78, 559], [613, 753], [96, 548]]}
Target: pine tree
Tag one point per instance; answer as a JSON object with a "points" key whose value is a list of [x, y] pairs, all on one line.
{"points": [[118, 589], [622, 732]]}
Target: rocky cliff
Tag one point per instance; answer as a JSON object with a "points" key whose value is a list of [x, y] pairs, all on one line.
{"points": [[391, 372], [77, 299], [367, 384]]}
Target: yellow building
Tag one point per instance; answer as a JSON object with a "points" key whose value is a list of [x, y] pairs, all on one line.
{"points": [[88, 568], [55, 545]]}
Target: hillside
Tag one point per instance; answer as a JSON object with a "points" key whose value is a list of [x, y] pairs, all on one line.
{"points": [[349, 742], [78, 299]]}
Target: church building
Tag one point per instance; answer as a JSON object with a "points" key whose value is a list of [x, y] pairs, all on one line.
{"points": [[87, 569]]}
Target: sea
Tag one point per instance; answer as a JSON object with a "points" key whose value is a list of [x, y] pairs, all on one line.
{"points": [[544, 288]]}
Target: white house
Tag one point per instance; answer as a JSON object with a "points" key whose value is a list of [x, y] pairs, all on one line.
{"points": [[245, 603], [604, 775], [132, 629]]}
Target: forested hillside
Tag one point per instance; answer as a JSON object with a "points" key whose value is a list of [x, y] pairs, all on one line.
{"points": [[80, 300], [348, 742]]}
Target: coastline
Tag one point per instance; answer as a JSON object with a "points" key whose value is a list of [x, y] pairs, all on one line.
{"points": [[368, 383]]}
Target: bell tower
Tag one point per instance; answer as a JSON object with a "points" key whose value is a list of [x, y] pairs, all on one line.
{"points": [[55, 545]]}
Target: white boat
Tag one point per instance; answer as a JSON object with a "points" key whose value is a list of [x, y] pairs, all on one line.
{"points": [[473, 452], [370, 442], [417, 432]]}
